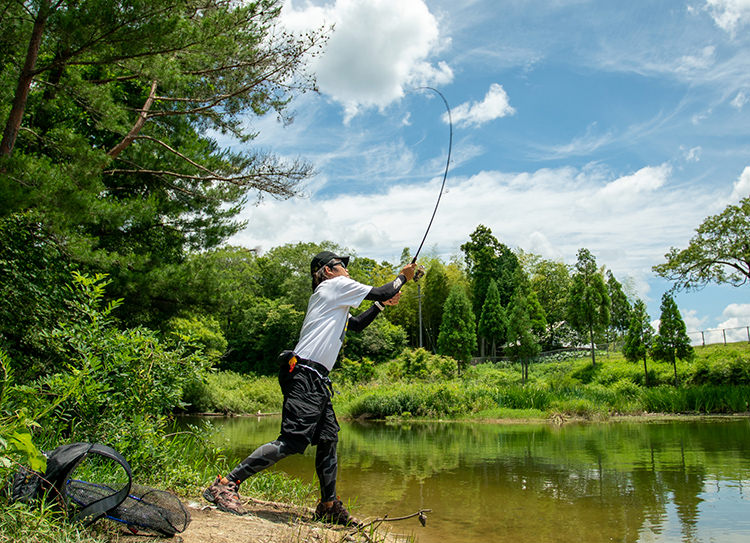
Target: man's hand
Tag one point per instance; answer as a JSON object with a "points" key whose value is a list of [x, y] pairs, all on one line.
{"points": [[394, 300], [408, 271]]}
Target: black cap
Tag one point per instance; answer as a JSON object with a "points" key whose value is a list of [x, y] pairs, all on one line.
{"points": [[323, 258]]}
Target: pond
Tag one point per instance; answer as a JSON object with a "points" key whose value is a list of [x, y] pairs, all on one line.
{"points": [[686, 481]]}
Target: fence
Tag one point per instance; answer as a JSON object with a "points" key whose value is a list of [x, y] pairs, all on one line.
{"points": [[720, 335], [700, 337]]}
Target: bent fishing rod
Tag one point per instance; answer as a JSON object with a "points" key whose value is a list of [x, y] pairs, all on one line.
{"points": [[420, 272]]}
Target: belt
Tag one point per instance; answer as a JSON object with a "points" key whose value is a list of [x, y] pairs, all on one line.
{"points": [[320, 369]]}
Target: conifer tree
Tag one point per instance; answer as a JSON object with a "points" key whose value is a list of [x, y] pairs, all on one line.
{"points": [[493, 322], [620, 306], [458, 330], [672, 342], [523, 345], [639, 337], [588, 301]]}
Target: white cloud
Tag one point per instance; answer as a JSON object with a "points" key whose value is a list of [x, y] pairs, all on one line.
{"points": [[629, 189], [702, 61], [548, 211], [693, 154], [495, 105], [741, 186], [736, 319], [740, 100], [376, 52], [729, 15]]}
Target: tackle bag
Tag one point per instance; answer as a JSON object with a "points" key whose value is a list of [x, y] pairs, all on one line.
{"points": [[93, 481]]}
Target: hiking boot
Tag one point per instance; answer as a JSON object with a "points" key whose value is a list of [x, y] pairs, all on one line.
{"points": [[335, 514], [225, 497]]}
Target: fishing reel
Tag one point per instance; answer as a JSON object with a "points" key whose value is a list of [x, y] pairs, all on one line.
{"points": [[419, 273]]}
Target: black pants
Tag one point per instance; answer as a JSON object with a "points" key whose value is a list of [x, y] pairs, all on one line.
{"points": [[307, 419]]}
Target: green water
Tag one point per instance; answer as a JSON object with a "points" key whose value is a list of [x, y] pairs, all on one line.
{"points": [[619, 481]]}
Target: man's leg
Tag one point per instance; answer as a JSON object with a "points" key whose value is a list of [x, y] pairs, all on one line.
{"points": [[261, 458], [326, 464]]}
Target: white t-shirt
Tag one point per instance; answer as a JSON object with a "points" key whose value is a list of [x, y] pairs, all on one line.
{"points": [[327, 315]]}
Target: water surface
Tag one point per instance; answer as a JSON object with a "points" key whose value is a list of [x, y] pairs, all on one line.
{"points": [[618, 481]]}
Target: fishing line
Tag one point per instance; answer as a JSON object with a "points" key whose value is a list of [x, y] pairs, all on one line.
{"points": [[445, 174]]}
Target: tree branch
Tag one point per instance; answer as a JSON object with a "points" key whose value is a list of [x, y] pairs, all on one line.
{"points": [[133, 134]]}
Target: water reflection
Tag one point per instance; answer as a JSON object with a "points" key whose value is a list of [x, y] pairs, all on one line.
{"points": [[628, 482]]}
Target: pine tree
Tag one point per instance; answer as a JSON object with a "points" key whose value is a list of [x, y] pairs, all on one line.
{"points": [[588, 301], [458, 330], [620, 306], [523, 345], [672, 342], [493, 321], [639, 337]]}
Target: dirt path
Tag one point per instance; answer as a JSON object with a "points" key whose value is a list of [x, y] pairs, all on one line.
{"points": [[266, 522]]}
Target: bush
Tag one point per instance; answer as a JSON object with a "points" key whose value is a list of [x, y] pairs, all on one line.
{"points": [[353, 371]]}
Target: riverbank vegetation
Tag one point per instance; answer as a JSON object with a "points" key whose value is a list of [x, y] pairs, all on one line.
{"points": [[419, 384]]}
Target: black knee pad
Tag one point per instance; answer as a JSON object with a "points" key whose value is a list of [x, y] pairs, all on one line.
{"points": [[291, 446]]}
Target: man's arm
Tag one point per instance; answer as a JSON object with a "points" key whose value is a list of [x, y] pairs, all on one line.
{"points": [[389, 290]]}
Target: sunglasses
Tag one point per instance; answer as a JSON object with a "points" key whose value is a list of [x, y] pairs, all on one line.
{"points": [[333, 265]]}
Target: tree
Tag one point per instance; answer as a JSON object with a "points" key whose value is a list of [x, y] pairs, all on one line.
{"points": [[672, 342], [550, 280], [523, 345], [435, 290], [458, 336], [493, 322], [639, 337], [588, 301], [719, 253], [620, 306], [108, 129], [487, 259]]}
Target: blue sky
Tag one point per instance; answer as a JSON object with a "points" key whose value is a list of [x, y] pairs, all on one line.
{"points": [[615, 126]]}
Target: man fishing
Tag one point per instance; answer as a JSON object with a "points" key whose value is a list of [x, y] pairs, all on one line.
{"points": [[307, 413]]}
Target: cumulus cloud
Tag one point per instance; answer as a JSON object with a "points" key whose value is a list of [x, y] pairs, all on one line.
{"points": [[547, 211], [629, 189], [729, 15], [741, 186], [377, 50], [495, 105], [736, 319]]}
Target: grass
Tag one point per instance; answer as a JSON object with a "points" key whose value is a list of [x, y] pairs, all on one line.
{"points": [[421, 385]]}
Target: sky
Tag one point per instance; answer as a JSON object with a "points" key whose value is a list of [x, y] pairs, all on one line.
{"points": [[614, 126]]}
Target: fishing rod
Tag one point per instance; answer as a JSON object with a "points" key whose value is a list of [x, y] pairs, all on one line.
{"points": [[420, 272]]}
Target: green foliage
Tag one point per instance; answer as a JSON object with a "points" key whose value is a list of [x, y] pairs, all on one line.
{"points": [[718, 253], [230, 392], [639, 337], [522, 343], [732, 370], [354, 371], [200, 330], [620, 306], [457, 331], [380, 341], [420, 364], [493, 322], [266, 328], [114, 147], [672, 342], [487, 259], [34, 273], [704, 399], [588, 300]]}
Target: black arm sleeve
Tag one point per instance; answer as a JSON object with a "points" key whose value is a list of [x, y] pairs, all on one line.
{"points": [[360, 322], [387, 291]]}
